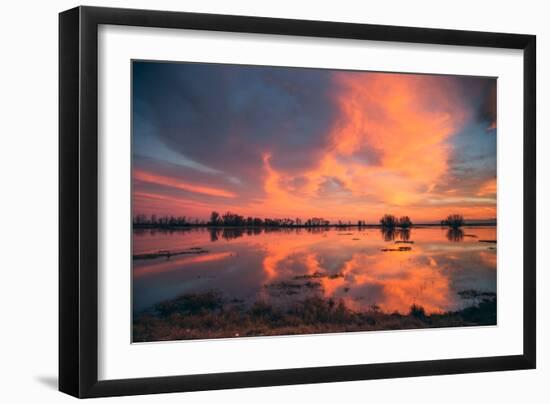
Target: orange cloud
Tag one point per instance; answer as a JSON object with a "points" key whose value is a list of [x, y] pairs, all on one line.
{"points": [[388, 150], [154, 203], [405, 119], [175, 183]]}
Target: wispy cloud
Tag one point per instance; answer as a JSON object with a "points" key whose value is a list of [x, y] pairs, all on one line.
{"points": [[175, 183]]}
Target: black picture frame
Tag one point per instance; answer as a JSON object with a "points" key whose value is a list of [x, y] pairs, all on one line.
{"points": [[78, 201]]}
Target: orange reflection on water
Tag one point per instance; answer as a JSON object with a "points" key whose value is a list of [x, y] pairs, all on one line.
{"points": [[177, 262], [349, 264], [366, 276]]}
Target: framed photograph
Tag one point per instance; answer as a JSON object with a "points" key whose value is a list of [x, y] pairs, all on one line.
{"points": [[251, 201]]}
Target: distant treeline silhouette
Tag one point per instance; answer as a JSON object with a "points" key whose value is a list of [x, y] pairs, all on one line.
{"points": [[230, 219], [235, 220]]}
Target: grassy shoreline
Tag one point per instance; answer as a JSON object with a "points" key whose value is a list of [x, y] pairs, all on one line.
{"points": [[209, 315]]}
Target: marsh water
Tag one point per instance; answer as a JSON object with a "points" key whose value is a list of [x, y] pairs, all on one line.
{"points": [[437, 268]]}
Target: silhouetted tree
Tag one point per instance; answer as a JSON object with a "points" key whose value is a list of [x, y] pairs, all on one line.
{"points": [[454, 221], [405, 222], [214, 218], [389, 221], [140, 219], [232, 219]]}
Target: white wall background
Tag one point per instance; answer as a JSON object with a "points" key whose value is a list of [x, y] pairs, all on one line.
{"points": [[28, 184]]}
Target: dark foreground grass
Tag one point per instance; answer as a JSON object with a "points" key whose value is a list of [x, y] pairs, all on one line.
{"points": [[208, 315]]}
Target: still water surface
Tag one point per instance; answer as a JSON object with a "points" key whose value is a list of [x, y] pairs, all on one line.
{"points": [[364, 267]]}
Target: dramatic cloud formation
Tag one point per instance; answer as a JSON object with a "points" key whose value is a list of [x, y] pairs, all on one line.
{"points": [[289, 142]]}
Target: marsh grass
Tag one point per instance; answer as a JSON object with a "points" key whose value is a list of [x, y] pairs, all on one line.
{"points": [[208, 315]]}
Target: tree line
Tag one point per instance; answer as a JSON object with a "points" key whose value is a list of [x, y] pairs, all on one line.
{"points": [[235, 220]]}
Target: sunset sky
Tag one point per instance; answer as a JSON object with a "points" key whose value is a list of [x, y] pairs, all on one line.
{"points": [[300, 143]]}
